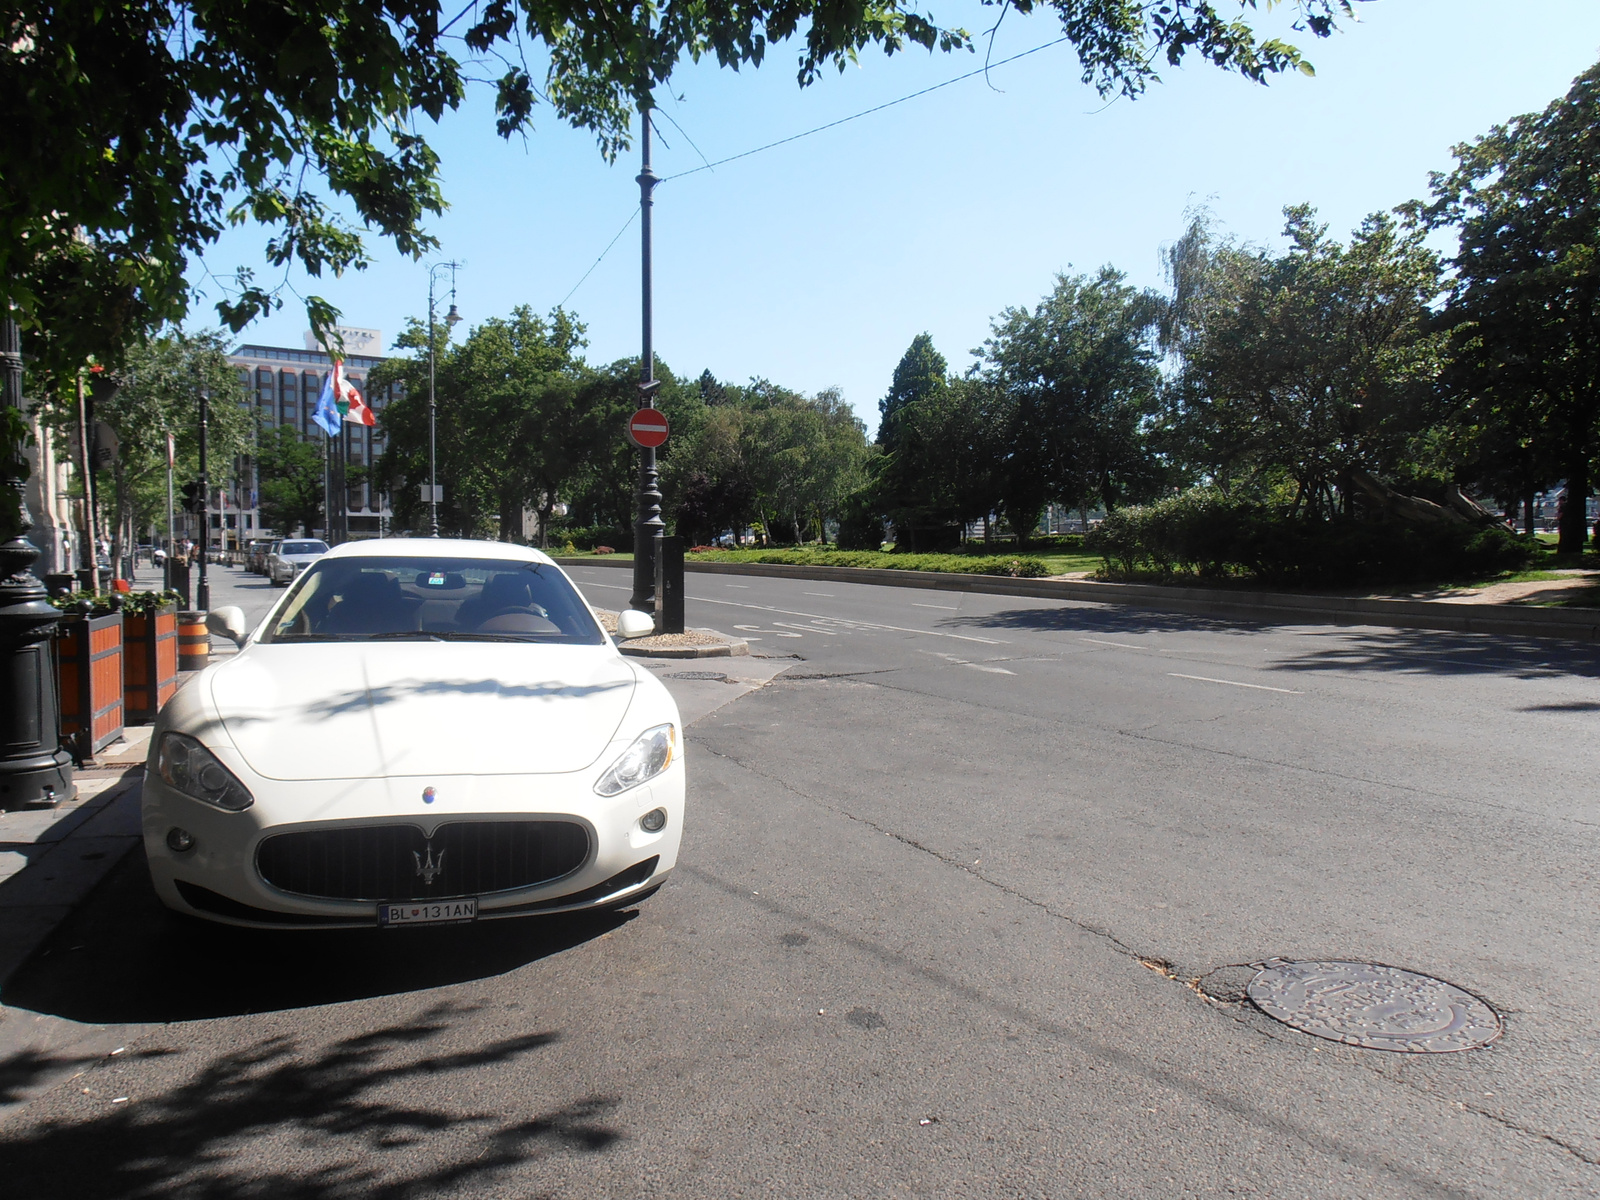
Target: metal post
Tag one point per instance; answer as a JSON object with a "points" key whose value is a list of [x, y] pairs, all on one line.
{"points": [[648, 526], [202, 590], [34, 770], [91, 560], [452, 318], [433, 448], [166, 567]]}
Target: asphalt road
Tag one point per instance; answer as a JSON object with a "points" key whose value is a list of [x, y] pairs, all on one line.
{"points": [[963, 907]]}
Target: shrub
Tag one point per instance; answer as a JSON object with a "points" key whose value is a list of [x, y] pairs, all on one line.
{"points": [[963, 564], [1205, 533]]}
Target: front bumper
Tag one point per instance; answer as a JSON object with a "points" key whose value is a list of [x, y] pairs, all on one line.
{"points": [[218, 878]]}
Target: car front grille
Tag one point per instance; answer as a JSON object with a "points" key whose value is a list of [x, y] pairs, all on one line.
{"points": [[396, 862]]}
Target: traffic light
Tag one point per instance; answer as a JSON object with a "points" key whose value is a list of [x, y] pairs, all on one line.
{"points": [[194, 499]]}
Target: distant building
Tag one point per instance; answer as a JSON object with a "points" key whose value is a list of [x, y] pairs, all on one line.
{"points": [[283, 385]]}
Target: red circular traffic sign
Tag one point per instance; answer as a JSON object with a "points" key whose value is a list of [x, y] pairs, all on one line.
{"points": [[647, 428]]}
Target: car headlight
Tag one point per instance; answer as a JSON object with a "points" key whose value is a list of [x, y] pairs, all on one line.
{"points": [[650, 754], [188, 766]]}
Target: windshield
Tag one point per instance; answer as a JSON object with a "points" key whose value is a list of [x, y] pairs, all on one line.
{"points": [[420, 599], [304, 548]]}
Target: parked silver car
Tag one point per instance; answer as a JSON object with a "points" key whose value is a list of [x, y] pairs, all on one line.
{"points": [[291, 556]]}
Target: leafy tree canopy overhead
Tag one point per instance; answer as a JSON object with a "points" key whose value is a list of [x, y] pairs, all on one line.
{"points": [[141, 129]]}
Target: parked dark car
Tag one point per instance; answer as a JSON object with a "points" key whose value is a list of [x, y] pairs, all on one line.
{"points": [[255, 555]]}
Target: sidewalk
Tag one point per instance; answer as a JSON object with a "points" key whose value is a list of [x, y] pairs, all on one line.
{"points": [[50, 859]]}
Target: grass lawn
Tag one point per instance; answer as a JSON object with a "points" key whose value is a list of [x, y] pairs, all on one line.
{"points": [[970, 562]]}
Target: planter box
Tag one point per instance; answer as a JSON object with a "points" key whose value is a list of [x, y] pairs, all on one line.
{"points": [[149, 662], [89, 666]]}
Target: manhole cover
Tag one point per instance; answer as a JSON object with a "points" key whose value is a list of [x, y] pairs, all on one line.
{"points": [[1375, 1007], [712, 676]]}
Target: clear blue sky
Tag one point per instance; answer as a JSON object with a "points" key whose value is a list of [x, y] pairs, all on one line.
{"points": [[815, 264]]}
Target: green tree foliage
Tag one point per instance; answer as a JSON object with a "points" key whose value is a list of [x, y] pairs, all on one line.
{"points": [[766, 456], [1524, 305], [1314, 366], [141, 129], [920, 372], [945, 450], [1079, 384], [156, 391], [513, 430], [291, 473]]}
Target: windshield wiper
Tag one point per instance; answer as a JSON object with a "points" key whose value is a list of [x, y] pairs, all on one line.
{"points": [[395, 634], [454, 636]]}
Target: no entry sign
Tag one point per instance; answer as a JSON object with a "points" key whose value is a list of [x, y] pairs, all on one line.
{"points": [[647, 428]]}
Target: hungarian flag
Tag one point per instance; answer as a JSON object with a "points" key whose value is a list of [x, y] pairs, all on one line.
{"points": [[340, 401]]}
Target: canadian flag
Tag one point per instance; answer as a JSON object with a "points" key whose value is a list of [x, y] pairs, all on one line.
{"points": [[349, 400]]}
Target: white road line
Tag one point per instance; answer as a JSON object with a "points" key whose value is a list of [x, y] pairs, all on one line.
{"points": [[811, 628], [946, 607], [960, 637], [743, 587], [829, 595], [1118, 645], [789, 612], [1234, 683]]}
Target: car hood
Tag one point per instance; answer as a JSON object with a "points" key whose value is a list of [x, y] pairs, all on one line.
{"points": [[368, 709]]}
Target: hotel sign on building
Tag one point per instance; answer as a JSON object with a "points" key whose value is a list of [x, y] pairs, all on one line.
{"points": [[283, 385]]}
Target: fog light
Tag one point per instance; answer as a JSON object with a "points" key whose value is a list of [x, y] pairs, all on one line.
{"points": [[179, 841], [654, 821]]}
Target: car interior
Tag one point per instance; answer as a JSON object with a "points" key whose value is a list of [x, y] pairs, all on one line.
{"points": [[490, 599]]}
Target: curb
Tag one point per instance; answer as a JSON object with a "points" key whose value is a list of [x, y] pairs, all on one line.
{"points": [[1280, 608], [729, 649]]}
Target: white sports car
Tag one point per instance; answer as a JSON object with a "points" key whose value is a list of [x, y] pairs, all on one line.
{"points": [[421, 731]]}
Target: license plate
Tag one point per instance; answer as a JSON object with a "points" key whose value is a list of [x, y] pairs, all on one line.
{"points": [[428, 912]]}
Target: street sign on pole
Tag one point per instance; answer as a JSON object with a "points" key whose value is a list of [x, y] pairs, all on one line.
{"points": [[431, 494], [648, 428]]}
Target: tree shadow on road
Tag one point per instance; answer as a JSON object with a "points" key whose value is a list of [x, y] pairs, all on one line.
{"points": [[275, 1119], [123, 958], [1325, 647], [1430, 652]]}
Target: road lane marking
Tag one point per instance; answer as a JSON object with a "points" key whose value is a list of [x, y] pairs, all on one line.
{"points": [[829, 595], [789, 612], [960, 637], [814, 627], [946, 607], [743, 587], [1118, 645], [1235, 683]]}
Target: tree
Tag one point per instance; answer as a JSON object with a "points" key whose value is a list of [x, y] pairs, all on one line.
{"points": [[156, 391], [919, 373], [943, 446], [511, 432], [1524, 306], [1318, 365], [143, 128], [291, 471], [1079, 376]]}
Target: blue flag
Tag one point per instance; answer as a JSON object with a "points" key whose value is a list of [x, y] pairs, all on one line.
{"points": [[327, 413]]}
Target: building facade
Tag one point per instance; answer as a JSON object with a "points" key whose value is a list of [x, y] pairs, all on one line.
{"points": [[283, 385]]}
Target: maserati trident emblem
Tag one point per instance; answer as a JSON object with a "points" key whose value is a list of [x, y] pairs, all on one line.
{"points": [[430, 866]]}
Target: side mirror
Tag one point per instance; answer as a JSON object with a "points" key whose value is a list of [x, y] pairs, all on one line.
{"points": [[229, 622], [635, 624]]}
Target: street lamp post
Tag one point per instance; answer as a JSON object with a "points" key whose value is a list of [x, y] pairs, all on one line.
{"points": [[648, 525], [202, 590], [451, 320], [34, 770]]}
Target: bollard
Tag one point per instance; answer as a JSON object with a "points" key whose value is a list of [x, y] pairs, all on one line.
{"points": [[194, 642]]}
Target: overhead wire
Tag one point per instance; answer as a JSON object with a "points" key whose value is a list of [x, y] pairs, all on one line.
{"points": [[866, 112]]}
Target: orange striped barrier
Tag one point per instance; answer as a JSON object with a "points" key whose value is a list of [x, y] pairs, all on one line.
{"points": [[194, 642]]}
